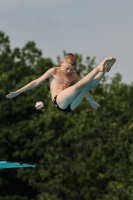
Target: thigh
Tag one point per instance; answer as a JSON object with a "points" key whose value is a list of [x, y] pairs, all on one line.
{"points": [[67, 96], [70, 96]]}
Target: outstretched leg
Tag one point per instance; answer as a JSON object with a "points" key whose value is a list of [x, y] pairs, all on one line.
{"points": [[77, 92], [100, 75]]}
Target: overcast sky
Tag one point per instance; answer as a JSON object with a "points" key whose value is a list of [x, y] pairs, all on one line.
{"points": [[100, 28]]}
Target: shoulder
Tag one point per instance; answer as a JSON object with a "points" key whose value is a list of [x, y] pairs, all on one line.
{"points": [[55, 69], [52, 70]]}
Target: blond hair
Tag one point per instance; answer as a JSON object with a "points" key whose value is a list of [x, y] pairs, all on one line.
{"points": [[70, 58]]}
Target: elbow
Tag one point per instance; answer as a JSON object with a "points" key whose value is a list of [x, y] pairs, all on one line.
{"points": [[36, 83]]}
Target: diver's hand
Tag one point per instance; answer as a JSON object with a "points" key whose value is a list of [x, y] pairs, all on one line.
{"points": [[12, 95], [94, 105]]}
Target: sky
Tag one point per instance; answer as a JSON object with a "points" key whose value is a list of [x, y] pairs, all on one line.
{"points": [[100, 28]]}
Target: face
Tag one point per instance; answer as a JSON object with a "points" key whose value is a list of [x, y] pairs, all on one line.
{"points": [[66, 68]]}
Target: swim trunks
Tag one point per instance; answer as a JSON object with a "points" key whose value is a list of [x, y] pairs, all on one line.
{"points": [[68, 109]]}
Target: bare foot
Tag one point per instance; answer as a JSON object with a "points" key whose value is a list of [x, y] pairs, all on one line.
{"points": [[106, 65], [109, 63]]}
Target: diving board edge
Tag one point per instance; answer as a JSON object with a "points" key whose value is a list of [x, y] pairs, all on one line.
{"points": [[13, 164]]}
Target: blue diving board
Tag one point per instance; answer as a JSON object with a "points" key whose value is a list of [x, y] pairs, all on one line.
{"points": [[12, 164]]}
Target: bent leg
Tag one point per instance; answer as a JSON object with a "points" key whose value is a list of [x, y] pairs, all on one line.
{"points": [[84, 92], [78, 91], [69, 94], [100, 75]]}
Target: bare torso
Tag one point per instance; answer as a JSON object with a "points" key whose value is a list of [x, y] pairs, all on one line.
{"points": [[59, 81]]}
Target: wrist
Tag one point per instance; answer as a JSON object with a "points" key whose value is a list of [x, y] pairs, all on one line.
{"points": [[18, 92]]}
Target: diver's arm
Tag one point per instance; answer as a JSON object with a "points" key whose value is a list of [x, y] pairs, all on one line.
{"points": [[32, 84]]}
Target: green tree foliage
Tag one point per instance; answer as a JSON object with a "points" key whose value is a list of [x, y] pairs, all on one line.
{"points": [[83, 155]]}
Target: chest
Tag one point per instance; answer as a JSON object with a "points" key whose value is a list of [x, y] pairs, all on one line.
{"points": [[62, 78]]}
